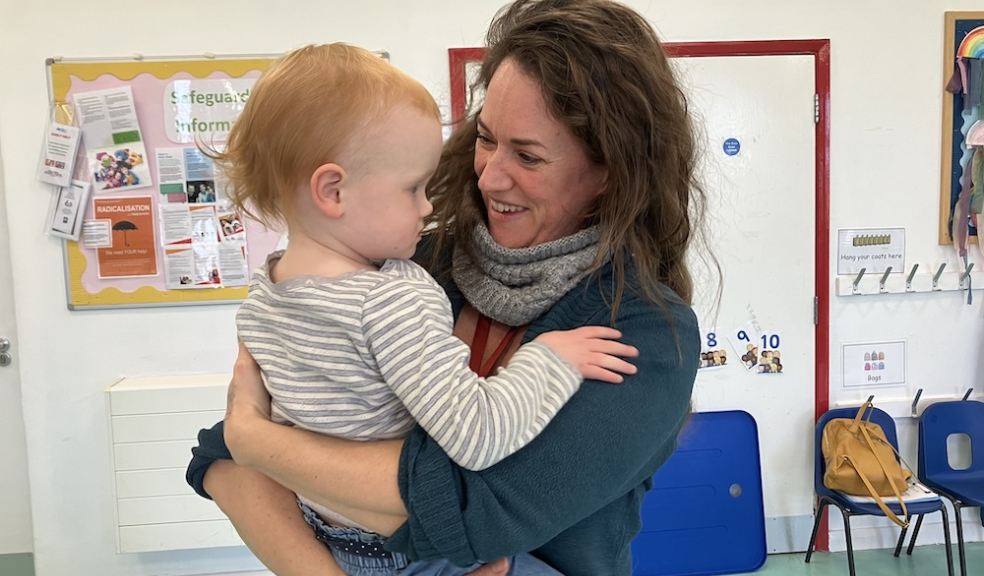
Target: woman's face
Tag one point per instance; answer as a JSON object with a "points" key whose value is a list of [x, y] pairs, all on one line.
{"points": [[535, 177]]}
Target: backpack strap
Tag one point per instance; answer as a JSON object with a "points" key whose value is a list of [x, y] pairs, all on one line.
{"points": [[881, 463], [864, 408], [878, 500], [867, 483]]}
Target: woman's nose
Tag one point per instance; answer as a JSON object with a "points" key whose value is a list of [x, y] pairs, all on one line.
{"points": [[493, 176]]}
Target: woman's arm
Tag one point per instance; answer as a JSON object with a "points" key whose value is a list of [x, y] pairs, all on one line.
{"points": [[604, 444], [356, 479], [264, 512], [259, 509]]}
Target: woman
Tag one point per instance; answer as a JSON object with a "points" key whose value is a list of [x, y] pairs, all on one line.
{"points": [[568, 199]]}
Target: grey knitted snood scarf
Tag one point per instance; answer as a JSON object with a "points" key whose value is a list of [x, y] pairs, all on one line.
{"points": [[516, 285]]}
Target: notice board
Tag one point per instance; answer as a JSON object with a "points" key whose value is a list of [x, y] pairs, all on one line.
{"points": [[168, 234]]}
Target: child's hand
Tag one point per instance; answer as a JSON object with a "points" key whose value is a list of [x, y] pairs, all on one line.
{"points": [[593, 350]]}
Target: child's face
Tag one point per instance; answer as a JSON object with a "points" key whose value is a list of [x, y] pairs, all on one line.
{"points": [[385, 201]]}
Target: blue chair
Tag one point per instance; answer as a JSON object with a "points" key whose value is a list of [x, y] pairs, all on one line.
{"points": [[704, 514], [849, 508], [962, 487]]}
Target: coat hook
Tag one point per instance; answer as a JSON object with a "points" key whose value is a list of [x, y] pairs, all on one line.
{"points": [[936, 277], [884, 278], [857, 280], [908, 280], [915, 402], [966, 273], [967, 394], [965, 277], [869, 404]]}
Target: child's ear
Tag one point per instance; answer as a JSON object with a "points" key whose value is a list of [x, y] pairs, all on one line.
{"points": [[326, 189]]}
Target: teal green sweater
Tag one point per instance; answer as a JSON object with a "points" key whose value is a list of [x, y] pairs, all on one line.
{"points": [[573, 495]]}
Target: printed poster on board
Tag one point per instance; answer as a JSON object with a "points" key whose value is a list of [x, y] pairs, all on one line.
{"points": [[202, 248], [190, 172], [113, 142], [133, 251]]}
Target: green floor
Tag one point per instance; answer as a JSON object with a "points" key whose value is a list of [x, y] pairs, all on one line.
{"points": [[16, 565], [925, 561]]}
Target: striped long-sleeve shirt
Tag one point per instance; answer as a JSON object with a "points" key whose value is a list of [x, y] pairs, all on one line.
{"points": [[364, 355]]}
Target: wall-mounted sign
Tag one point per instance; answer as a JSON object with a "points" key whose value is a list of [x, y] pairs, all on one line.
{"points": [[873, 364], [874, 249], [203, 110]]}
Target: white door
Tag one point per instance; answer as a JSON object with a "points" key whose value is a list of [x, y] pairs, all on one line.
{"points": [[15, 503], [755, 114]]}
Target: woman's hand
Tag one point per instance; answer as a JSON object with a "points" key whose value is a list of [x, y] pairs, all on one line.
{"points": [[247, 405]]}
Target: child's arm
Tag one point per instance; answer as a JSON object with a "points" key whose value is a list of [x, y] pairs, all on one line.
{"points": [[477, 421]]}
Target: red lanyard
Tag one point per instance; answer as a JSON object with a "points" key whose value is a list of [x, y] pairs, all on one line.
{"points": [[480, 339]]}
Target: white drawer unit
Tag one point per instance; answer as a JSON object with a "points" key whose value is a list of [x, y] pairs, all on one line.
{"points": [[154, 422]]}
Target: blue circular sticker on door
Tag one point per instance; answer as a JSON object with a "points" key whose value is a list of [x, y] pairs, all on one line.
{"points": [[732, 146]]}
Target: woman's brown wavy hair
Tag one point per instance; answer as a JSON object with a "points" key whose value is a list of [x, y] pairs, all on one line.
{"points": [[605, 76]]}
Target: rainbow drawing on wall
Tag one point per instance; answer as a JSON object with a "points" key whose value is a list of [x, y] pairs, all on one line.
{"points": [[972, 46]]}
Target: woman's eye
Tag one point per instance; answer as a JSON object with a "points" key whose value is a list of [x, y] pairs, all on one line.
{"points": [[483, 139], [528, 158]]}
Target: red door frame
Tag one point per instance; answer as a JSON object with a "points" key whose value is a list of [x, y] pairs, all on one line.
{"points": [[457, 59], [820, 50]]}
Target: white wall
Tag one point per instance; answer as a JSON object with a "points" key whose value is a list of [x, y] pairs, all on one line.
{"points": [[887, 88], [15, 522]]}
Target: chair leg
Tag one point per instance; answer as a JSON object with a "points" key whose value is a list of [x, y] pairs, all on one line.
{"points": [[850, 545], [946, 538], [816, 527], [902, 533], [960, 537], [915, 534]]}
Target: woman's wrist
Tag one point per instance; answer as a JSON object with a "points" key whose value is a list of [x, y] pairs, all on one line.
{"points": [[244, 425]]}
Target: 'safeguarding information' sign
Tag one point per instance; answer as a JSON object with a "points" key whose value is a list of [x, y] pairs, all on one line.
{"points": [[204, 110]]}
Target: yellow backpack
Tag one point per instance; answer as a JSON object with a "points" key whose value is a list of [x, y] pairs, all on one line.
{"points": [[862, 462]]}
